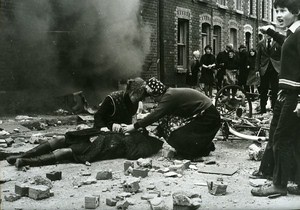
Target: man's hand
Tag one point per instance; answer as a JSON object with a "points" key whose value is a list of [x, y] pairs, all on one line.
{"points": [[280, 96], [117, 127], [297, 110], [128, 128], [257, 74], [263, 29]]}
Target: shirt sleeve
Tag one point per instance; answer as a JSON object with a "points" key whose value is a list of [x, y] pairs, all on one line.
{"points": [[163, 108], [279, 38], [102, 116]]}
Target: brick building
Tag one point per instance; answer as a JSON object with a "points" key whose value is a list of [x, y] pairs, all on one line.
{"points": [[185, 26], [177, 28]]}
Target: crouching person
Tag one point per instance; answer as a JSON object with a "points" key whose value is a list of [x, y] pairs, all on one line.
{"points": [[115, 111], [187, 119]]}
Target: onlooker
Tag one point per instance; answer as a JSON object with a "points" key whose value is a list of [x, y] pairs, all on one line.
{"points": [[221, 60], [192, 75], [116, 109], [286, 119], [189, 119], [207, 64], [253, 79], [243, 70], [267, 66]]}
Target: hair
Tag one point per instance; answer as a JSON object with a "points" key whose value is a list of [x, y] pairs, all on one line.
{"points": [[136, 85], [292, 5], [207, 47]]}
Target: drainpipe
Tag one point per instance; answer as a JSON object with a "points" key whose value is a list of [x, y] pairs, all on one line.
{"points": [[160, 45]]}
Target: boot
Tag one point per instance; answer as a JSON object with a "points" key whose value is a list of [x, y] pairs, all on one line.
{"points": [[41, 149], [47, 159]]}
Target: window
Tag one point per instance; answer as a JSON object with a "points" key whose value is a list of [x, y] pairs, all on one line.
{"points": [[248, 40], [251, 7], [182, 43], [217, 40], [233, 37], [263, 9], [205, 34]]}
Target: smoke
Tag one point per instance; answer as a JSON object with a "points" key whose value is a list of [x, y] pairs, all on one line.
{"points": [[75, 43]]}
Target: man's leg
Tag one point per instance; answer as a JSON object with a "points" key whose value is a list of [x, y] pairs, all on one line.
{"points": [[274, 87], [264, 87]]}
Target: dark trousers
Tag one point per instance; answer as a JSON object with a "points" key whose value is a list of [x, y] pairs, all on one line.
{"points": [[285, 142], [269, 79]]}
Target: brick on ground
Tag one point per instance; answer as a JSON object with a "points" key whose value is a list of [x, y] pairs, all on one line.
{"points": [[54, 175], [38, 192], [104, 175], [92, 201]]}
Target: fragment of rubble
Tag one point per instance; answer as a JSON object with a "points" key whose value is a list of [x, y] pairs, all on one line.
{"points": [[34, 139], [168, 153], [76, 184], [158, 204], [163, 170], [123, 195], [167, 183], [161, 159], [200, 184], [256, 152], [54, 175], [91, 201], [85, 173], [131, 185], [4, 180], [11, 197], [123, 205], [210, 162], [147, 196], [193, 167], [166, 194], [139, 172], [128, 171], [4, 133], [39, 192], [87, 163], [171, 174], [23, 117], [82, 127], [151, 186], [217, 187], [9, 141], [144, 162], [257, 182], [38, 180], [186, 199], [128, 164], [177, 168], [104, 175], [111, 202], [89, 181], [22, 189]]}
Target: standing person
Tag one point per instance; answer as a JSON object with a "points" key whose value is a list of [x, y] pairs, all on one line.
{"points": [[243, 70], [192, 75], [189, 120], [286, 141], [207, 64], [231, 73], [116, 109], [252, 79], [268, 65], [221, 60]]}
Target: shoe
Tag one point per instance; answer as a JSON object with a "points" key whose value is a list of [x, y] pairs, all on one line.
{"points": [[267, 190], [257, 175], [293, 189]]}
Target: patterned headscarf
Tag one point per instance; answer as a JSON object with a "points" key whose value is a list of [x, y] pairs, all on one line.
{"points": [[154, 87]]}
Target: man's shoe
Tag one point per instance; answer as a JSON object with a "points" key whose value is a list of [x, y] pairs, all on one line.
{"points": [[257, 175], [293, 189], [268, 190]]}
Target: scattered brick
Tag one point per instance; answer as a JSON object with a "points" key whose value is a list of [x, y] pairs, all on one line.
{"points": [[92, 202], [123, 205], [146, 163], [22, 189], [111, 201], [131, 186], [12, 197], [39, 192], [104, 175], [217, 188], [128, 164], [141, 172], [158, 204], [54, 175]]}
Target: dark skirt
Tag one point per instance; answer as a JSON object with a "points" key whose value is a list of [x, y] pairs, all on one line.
{"points": [[207, 76], [194, 138], [111, 145]]}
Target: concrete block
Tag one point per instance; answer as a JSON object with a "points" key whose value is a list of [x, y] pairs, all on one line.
{"points": [[158, 204], [12, 197], [128, 164], [145, 163], [141, 172], [131, 186], [123, 205], [111, 201], [54, 175], [217, 188], [92, 201], [39, 192], [22, 189], [104, 175]]}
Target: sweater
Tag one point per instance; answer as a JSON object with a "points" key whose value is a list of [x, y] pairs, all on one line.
{"points": [[289, 77], [181, 102]]}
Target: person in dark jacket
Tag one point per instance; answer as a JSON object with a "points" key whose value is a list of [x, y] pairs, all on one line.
{"points": [[207, 64], [243, 70], [286, 118], [192, 75], [114, 113], [253, 80], [187, 119]]}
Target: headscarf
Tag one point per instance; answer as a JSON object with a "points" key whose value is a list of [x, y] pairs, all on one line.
{"points": [[154, 87], [136, 85]]}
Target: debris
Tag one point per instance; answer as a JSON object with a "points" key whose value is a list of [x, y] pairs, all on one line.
{"points": [[22, 189], [12, 197], [158, 204], [128, 164], [111, 201], [218, 170], [217, 188], [123, 205], [141, 172], [38, 180], [104, 175], [54, 175], [131, 185], [186, 199], [274, 196], [82, 127], [145, 163], [39, 192], [92, 202], [256, 152], [257, 182], [171, 174]]}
